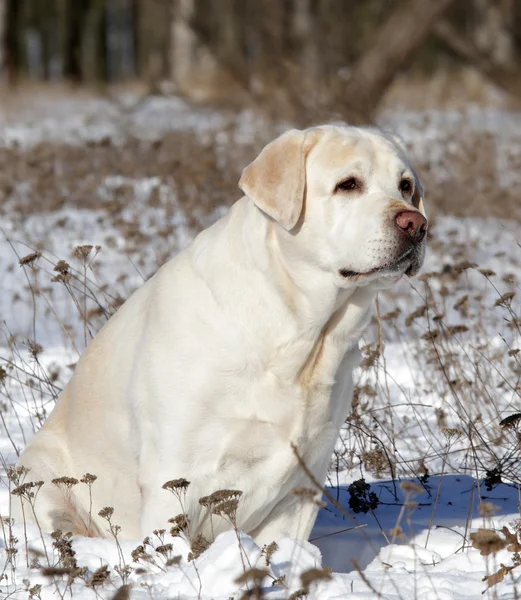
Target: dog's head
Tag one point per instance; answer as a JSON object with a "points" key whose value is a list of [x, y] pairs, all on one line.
{"points": [[347, 197]]}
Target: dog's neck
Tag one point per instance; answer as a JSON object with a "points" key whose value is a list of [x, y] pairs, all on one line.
{"points": [[322, 313]]}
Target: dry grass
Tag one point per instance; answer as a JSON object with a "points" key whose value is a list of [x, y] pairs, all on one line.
{"points": [[444, 335], [442, 332], [466, 179]]}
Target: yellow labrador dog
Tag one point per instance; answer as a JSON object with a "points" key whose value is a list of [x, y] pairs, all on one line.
{"points": [[239, 347]]}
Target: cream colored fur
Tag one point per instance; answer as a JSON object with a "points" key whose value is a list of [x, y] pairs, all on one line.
{"points": [[241, 345]]}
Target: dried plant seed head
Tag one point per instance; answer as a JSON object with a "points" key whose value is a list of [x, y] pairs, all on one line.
{"points": [[66, 482], [99, 577], [496, 577], [27, 490], [462, 305], [515, 323], [164, 549], [34, 591], [55, 571], [505, 300], [376, 462], [197, 547], [397, 533], [450, 433], [176, 485], [62, 266], [180, 525], [487, 509], [226, 507], [219, 496], [298, 595], [30, 259], [361, 498], [409, 487], [513, 538], [511, 421], [122, 593], [426, 276], [487, 541], [390, 316], [269, 551], [62, 278], [416, 314], [370, 357], [493, 478], [464, 265], [88, 478], [431, 335], [139, 553], [17, 474], [35, 349], [106, 513], [311, 575], [254, 575], [451, 330], [82, 252]]}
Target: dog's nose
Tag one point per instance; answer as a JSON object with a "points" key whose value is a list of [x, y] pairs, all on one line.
{"points": [[413, 223]]}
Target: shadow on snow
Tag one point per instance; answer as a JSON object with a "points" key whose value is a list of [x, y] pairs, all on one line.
{"points": [[457, 504]]}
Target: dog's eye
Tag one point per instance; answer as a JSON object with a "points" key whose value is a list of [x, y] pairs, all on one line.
{"points": [[405, 186], [349, 185]]}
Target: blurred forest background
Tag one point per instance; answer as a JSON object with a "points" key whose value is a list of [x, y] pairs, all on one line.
{"points": [[138, 88], [313, 57]]}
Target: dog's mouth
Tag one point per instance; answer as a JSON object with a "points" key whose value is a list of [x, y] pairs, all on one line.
{"points": [[408, 263]]}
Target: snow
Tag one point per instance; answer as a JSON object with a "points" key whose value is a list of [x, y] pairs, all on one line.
{"points": [[410, 399]]}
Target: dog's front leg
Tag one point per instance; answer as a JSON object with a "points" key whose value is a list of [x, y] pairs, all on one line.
{"points": [[293, 517]]}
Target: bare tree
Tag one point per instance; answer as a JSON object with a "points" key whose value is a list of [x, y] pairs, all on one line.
{"points": [[74, 13], [392, 47], [499, 72], [183, 42], [3, 29], [14, 51], [153, 20]]}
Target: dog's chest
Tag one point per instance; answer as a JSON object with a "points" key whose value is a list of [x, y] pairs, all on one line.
{"points": [[308, 376]]}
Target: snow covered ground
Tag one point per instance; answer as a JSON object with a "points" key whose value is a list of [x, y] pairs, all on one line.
{"points": [[424, 433]]}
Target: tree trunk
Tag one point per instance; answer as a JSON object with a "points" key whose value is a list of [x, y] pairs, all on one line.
{"points": [[3, 32], [491, 33], [502, 76], [182, 43], [93, 42], [14, 47], [72, 42], [154, 33], [120, 46], [392, 48]]}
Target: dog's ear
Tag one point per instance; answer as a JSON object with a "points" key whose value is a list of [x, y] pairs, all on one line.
{"points": [[276, 179], [418, 198]]}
